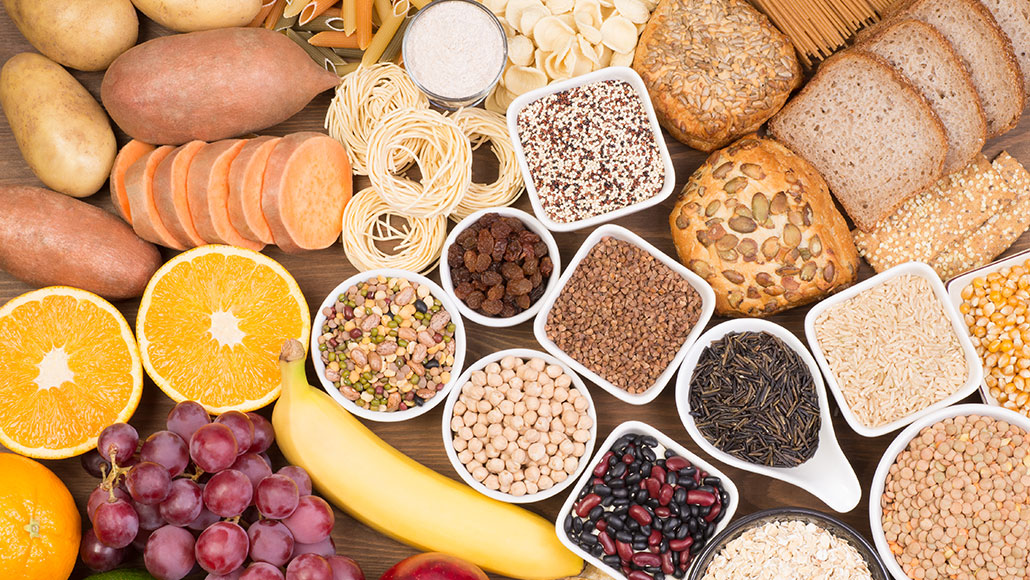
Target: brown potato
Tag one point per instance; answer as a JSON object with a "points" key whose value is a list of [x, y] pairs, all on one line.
{"points": [[81, 34], [193, 15], [62, 132]]}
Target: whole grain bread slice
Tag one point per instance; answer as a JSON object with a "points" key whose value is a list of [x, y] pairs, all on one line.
{"points": [[917, 51], [1013, 17], [874, 138]]}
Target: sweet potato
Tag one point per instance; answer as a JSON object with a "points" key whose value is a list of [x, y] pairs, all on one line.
{"points": [[245, 179], [170, 193], [47, 238], [210, 85], [139, 186], [132, 151], [306, 184], [207, 189]]}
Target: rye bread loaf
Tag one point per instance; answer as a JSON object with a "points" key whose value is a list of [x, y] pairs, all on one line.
{"points": [[1013, 17], [873, 137], [917, 51]]}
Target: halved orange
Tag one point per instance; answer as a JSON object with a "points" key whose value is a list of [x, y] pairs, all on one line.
{"points": [[211, 323], [69, 367]]}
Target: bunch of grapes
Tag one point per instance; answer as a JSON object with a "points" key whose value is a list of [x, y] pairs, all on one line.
{"points": [[203, 493]]}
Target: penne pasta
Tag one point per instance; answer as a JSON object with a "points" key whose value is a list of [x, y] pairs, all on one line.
{"points": [[334, 39], [314, 9], [349, 53], [393, 48], [349, 12], [266, 8], [275, 14], [391, 24], [364, 22], [293, 7], [420, 4], [325, 57], [284, 23], [328, 21]]}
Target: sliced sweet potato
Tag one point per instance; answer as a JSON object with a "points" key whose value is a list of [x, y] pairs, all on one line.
{"points": [[132, 151], [139, 186], [170, 193], [307, 183], [207, 188], [245, 178]]}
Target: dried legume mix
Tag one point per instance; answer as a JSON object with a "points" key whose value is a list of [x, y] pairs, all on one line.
{"points": [[590, 150], [520, 426], [387, 344], [995, 310], [647, 511], [956, 502], [623, 314]]}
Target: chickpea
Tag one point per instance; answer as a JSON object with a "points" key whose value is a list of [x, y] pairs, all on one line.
{"points": [[520, 408], [506, 479], [465, 433], [481, 456], [492, 451], [530, 374], [531, 487], [544, 411], [475, 445], [565, 381], [465, 456], [532, 474], [510, 466], [499, 442], [516, 383], [491, 482], [494, 430], [559, 476], [571, 464], [519, 456], [557, 426], [460, 444], [478, 379], [479, 473], [545, 482], [537, 451], [457, 423], [556, 409], [556, 463], [508, 362], [567, 447], [466, 389], [531, 417], [493, 380], [507, 375], [547, 391], [492, 369], [469, 418], [483, 406], [517, 423], [532, 404], [495, 465], [523, 443], [581, 435], [518, 489], [511, 448], [507, 407], [514, 395], [561, 394], [545, 438], [585, 422], [479, 430], [581, 404], [580, 449], [552, 448], [554, 371], [532, 388], [494, 416], [459, 407], [542, 424], [569, 418], [537, 364]]}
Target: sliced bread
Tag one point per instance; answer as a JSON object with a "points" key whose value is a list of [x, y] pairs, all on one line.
{"points": [[874, 138], [1013, 17], [986, 52], [917, 51]]}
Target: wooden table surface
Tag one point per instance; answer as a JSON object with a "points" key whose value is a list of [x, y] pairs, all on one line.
{"points": [[319, 272]]}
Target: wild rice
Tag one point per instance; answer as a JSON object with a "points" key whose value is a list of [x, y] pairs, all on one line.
{"points": [[892, 350]]}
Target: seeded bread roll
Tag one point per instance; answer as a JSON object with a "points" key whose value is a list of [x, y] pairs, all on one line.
{"points": [[757, 222], [715, 69]]}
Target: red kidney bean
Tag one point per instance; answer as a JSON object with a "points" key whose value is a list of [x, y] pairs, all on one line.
{"points": [[658, 473], [681, 545], [676, 463], [586, 504], [655, 538], [638, 513], [602, 467], [665, 495], [644, 559], [714, 512], [667, 566], [653, 487], [627, 459], [638, 575], [601, 525], [625, 550], [607, 543], [685, 558], [701, 498], [662, 511]]}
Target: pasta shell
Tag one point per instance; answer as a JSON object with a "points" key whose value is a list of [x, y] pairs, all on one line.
{"points": [[590, 33], [509, 32], [551, 34], [586, 49], [530, 16], [634, 10], [522, 79], [491, 104], [569, 20], [560, 64], [560, 6], [622, 58], [520, 50], [604, 56], [609, 4], [513, 13], [496, 6], [607, 11], [582, 64], [619, 34], [587, 14], [538, 59]]}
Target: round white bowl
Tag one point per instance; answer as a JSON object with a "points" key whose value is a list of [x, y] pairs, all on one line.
{"points": [[827, 475], [459, 345], [448, 435], [899, 444], [534, 226]]}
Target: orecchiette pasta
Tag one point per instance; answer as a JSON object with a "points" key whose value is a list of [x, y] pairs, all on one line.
{"points": [[619, 34]]}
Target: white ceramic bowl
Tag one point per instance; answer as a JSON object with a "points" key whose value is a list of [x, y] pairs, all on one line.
{"points": [[459, 345], [955, 286], [664, 440], [621, 73], [974, 369], [448, 436], [621, 233], [534, 226], [827, 475], [899, 444]]}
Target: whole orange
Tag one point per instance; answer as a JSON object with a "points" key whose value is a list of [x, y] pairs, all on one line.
{"points": [[39, 523]]}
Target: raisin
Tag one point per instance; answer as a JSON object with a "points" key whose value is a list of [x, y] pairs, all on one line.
{"points": [[470, 260], [528, 238], [475, 300], [463, 290], [492, 307], [528, 253], [514, 251], [500, 246], [519, 287], [479, 284], [483, 262], [511, 271], [491, 278], [546, 266], [508, 310], [495, 292], [467, 239], [461, 274], [524, 301], [487, 220], [536, 280], [530, 267], [455, 256], [537, 292], [540, 249], [500, 229], [515, 224], [485, 242]]}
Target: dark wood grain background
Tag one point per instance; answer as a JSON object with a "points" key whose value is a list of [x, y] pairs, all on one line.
{"points": [[319, 272]]}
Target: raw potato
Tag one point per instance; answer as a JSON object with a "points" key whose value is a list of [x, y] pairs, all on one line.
{"points": [[50, 239], [193, 15], [62, 132], [210, 85], [81, 34]]}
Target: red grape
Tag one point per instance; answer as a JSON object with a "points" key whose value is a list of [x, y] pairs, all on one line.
{"points": [[115, 523], [94, 463], [228, 493], [183, 504], [253, 467], [222, 547], [119, 439], [242, 429], [205, 519], [98, 556], [101, 495], [326, 547], [150, 517], [213, 447], [185, 418], [309, 567], [169, 553], [270, 541], [167, 449], [148, 482], [264, 433], [139, 543], [299, 476], [261, 571], [312, 521], [345, 569], [276, 496], [234, 575]]}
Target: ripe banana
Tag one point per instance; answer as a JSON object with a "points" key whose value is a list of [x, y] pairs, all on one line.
{"points": [[347, 463]]}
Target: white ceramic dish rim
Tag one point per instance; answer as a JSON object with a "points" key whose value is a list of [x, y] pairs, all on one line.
{"points": [[459, 349], [973, 363], [622, 73], [668, 443], [448, 410], [955, 286], [533, 225], [828, 474], [899, 444], [702, 287]]}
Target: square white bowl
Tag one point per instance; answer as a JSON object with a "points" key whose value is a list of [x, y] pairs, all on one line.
{"points": [[459, 346], [641, 428], [448, 435], [621, 233], [620, 73], [974, 369], [955, 286], [533, 225]]}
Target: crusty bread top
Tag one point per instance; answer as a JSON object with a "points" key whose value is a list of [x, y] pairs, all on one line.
{"points": [[1013, 17]]}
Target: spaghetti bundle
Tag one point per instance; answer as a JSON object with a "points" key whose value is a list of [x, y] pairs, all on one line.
{"points": [[481, 126], [369, 224]]}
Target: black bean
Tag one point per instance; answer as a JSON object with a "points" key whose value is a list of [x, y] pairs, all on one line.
{"points": [[614, 482], [615, 523], [420, 306], [659, 575], [691, 525], [624, 536], [645, 531], [649, 441], [587, 538], [695, 510], [652, 503], [689, 470], [670, 477], [613, 460], [620, 492], [679, 496], [620, 511], [595, 513], [709, 532], [624, 440], [640, 545], [675, 509], [671, 524], [577, 525], [633, 479], [618, 470], [684, 531], [585, 492], [657, 524], [612, 560], [712, 481], [648, 454], [432, 364], [607, 501], [676, 559], [597, 550], [677, 573], [670, 453], [652, 570], [707, 488], [602, 490], [640, 496], [621, 502]]}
